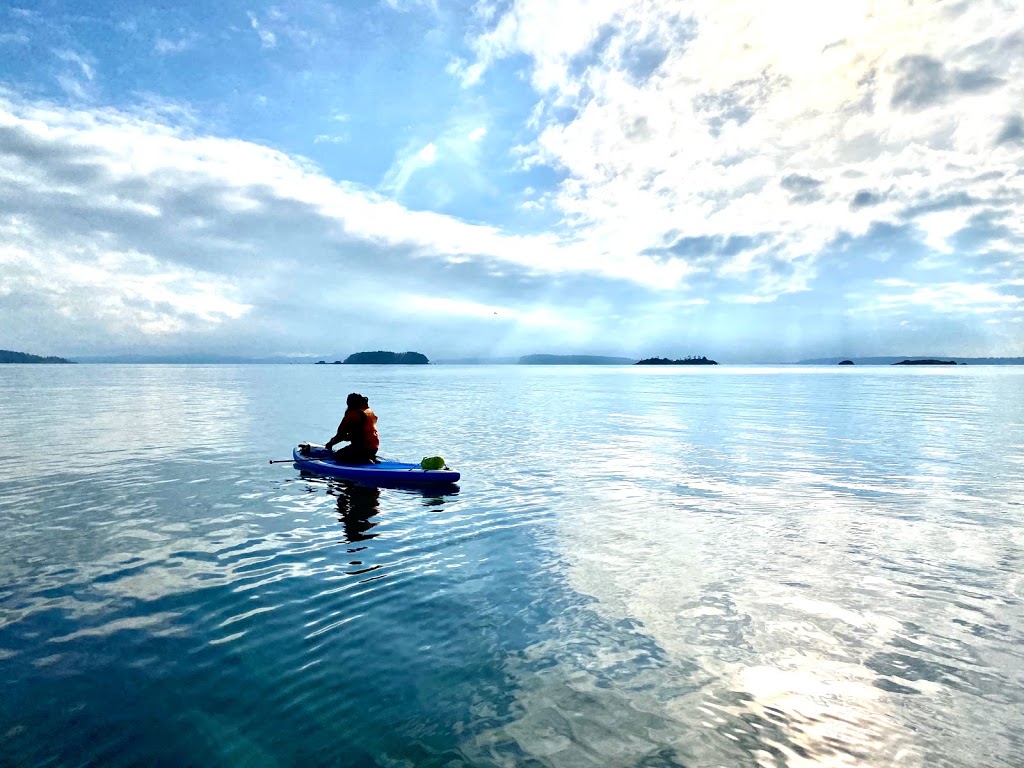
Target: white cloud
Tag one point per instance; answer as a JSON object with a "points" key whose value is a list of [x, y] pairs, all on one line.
{"points": [[85, 65], [125, 291], [943, 298], [453, 163], [693, 163], [267, 38], [77, 79], [449, 306], [892, 282], [14, 38], [325, 138], [410, 161], [717, 119], [73, 87], [164, 46], [428, 154], [126, 225], [404, 6], [532, 317]]}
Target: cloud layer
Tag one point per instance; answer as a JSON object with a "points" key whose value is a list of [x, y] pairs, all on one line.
{"points": [[665, 178]]}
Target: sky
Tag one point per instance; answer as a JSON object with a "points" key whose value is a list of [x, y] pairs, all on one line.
{"points": [[744, 180]]}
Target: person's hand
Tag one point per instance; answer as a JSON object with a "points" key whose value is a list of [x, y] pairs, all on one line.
{"points": [[329, 445]]}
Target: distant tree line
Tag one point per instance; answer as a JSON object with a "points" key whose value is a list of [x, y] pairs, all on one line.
{"points": [[929, 361], [688, 360], [9, 356], [380, 357]]}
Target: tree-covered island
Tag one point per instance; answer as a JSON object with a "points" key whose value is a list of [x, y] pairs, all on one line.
{"points": [[689, 360], [381, 357], [9, 356]]}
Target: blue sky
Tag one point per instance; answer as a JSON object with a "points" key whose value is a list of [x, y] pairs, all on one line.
{"points": [[748, 181]]}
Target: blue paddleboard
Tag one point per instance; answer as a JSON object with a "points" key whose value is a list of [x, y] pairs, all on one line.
{"points": [[386, 473]]}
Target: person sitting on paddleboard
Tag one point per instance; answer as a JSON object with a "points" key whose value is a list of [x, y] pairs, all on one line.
{"points": [[359, 427]]}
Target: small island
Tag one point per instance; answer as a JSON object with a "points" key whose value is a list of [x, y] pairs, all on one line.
{"points": [[846, 362], [916, 360], [9, 356], [685, 361], [381, 357]]}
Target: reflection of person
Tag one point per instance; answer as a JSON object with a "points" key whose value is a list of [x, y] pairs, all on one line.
{"points": [[358, 427], [356, 505]]}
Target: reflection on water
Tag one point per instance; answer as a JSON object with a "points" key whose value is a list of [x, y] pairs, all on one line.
{"points": [[357, 504], [745, 568], [774, 555]]}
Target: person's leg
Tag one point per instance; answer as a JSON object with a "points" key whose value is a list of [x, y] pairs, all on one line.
{"points": [[351, 454]]}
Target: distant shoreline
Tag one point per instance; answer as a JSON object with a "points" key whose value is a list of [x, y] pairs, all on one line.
{"points": [[10, 356], [914, 360]]}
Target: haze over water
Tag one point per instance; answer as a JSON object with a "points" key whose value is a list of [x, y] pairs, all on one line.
{"points": [[641, 567]]}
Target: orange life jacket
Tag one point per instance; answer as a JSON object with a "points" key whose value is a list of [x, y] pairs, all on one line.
{"points": [[360, 426]]}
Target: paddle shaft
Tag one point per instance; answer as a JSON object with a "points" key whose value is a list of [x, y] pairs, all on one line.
{"points": [[286, 461]]}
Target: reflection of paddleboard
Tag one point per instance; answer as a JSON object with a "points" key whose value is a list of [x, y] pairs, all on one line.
{"points": [[317, 459]]}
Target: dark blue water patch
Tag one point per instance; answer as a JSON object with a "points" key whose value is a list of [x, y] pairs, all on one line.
{"points": [[193, 704], [914, 655], [269, 655], [893, 687]]}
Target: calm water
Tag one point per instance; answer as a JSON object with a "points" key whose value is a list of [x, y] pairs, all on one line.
{"points": [[641, 567]]}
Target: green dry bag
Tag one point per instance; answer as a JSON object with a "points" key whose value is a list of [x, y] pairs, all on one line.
{"points": [[432, 462]]}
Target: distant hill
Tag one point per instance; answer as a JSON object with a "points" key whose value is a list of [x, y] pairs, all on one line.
{"points": [[381, 357], [685, 361], [573, 360], [478, 361], [929, 361], [901, 358], [196, 359], [9, 356]]}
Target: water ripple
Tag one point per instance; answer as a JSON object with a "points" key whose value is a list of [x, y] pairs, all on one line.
{"points": [[746, 568]]}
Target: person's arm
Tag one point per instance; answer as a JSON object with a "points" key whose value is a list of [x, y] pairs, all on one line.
{"points": [[336, 439], [344, 433]]}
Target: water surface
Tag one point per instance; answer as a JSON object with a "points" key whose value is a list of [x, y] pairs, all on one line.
{"points": [[640, 567]]}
